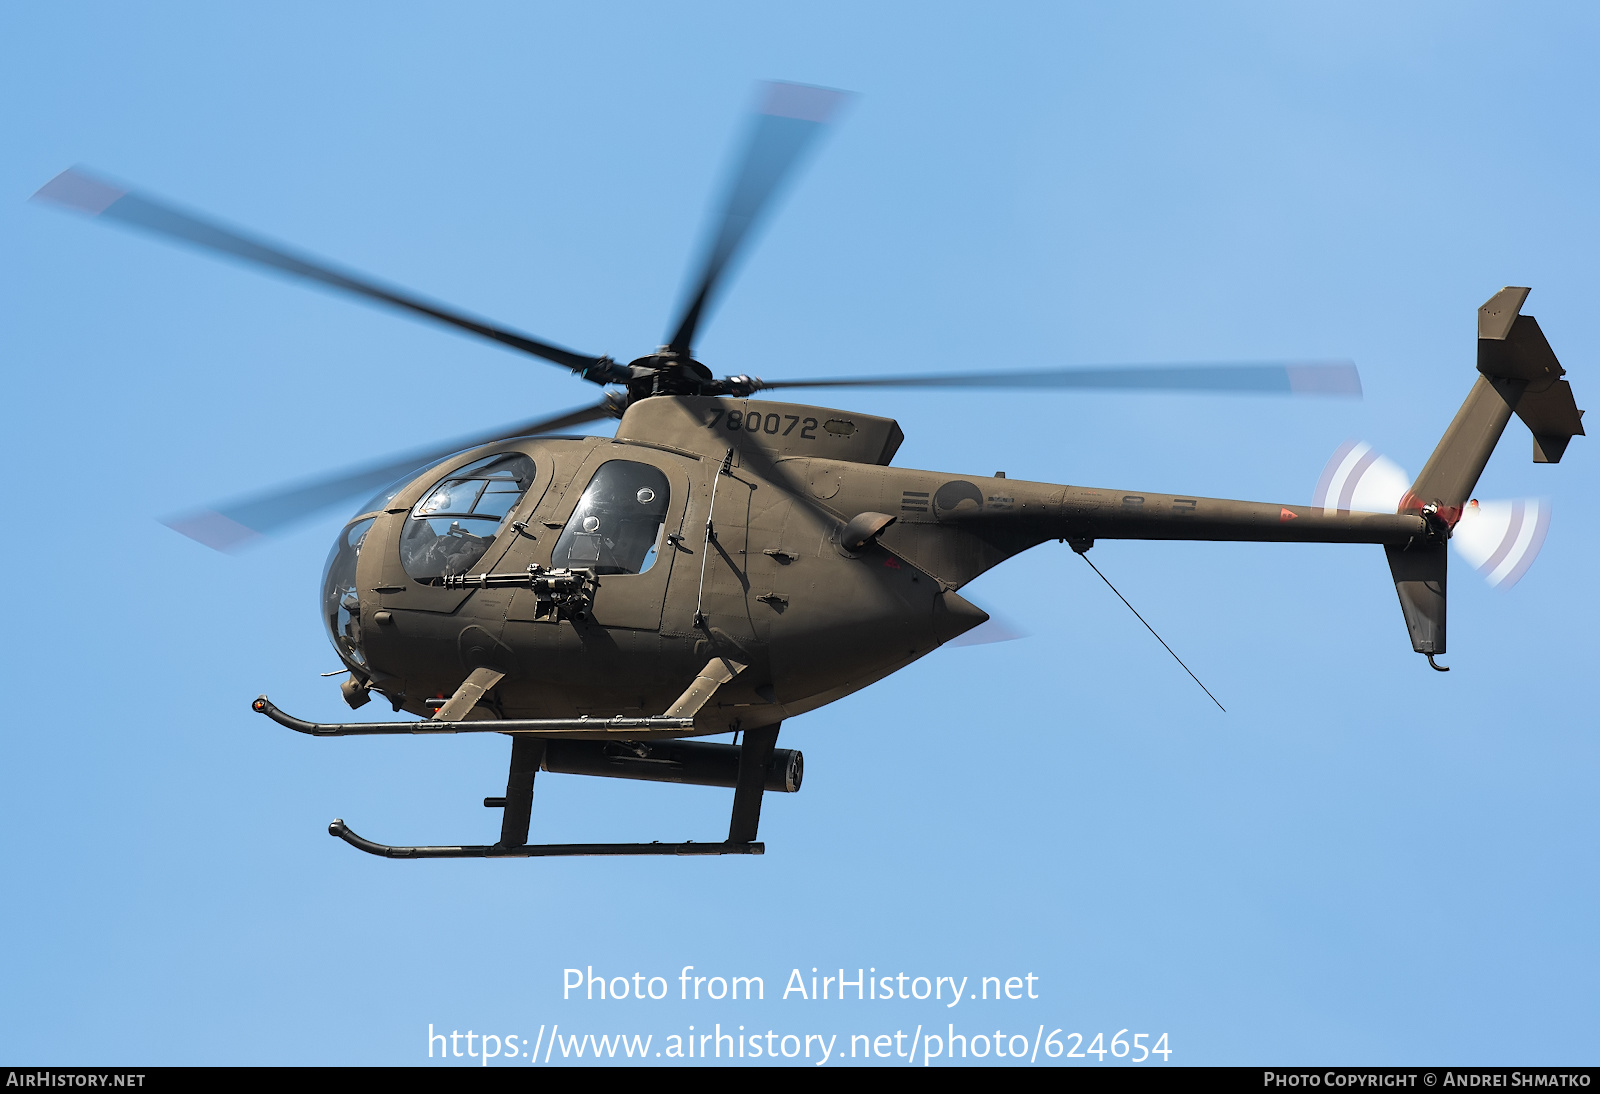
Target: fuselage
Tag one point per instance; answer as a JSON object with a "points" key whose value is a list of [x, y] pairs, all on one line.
{"points": [[714, 528]]}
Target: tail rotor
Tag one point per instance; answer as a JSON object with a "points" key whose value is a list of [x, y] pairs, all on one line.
{"points": [[1499, 539]]}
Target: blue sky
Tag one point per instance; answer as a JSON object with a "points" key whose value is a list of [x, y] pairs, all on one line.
{"points": [[1361, 861]]}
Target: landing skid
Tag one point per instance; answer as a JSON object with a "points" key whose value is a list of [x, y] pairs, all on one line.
{"points": [[531, 737], [542, 850], [658, 725]]}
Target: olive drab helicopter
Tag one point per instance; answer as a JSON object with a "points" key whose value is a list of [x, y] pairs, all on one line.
{"points": [[724, 563]]}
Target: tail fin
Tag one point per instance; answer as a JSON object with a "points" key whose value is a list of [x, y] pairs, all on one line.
{"points": [[1518, 373]]}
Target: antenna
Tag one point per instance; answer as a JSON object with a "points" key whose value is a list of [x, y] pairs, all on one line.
{"points": [[711, 537], [1083, 553]]}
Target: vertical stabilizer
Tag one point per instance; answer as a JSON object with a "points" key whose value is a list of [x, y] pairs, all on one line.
{"points": [[1517, 374], [1420, 571]]}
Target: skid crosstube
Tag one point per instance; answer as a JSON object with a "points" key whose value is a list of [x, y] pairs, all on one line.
{"points": [[545, 850]]}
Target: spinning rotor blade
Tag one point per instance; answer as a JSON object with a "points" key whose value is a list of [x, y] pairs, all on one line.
{"points": [[75, 189], [1499, 539], [1502, 538], [234, 524], [1357, 479], [1287, 378], [791, 118]]}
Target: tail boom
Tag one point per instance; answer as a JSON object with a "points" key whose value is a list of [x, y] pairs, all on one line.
{"points": [[1172, 517]]}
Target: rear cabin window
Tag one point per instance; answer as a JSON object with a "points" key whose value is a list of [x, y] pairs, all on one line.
{"points": [[617, 526]]}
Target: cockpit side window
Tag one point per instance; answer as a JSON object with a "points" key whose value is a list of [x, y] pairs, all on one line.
{"points": [[616, 528], [457, 521]]}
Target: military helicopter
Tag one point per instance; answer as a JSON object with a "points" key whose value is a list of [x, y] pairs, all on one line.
{"points": [[724, 563]]}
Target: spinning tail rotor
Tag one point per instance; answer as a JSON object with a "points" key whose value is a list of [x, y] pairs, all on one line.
{"points": [[1502, 538], [1499, 539]]}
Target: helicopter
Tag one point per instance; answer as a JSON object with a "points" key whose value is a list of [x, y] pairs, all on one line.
{"points": [[725, 563]]}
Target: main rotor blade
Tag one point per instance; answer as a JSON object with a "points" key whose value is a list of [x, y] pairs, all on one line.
{"points": [[77, 190], [1286, 378], [235, 524], [791, 118]]}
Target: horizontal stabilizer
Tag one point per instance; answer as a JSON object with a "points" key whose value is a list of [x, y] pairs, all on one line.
{"points": [[1512, 347]]}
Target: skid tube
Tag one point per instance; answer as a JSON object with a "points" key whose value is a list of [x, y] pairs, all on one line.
{"points": [[652, 724], [544, 850]]}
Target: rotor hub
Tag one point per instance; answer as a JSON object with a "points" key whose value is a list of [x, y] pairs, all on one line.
{"points": [[666, 372]]}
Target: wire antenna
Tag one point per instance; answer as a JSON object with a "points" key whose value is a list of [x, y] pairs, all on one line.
{"points": [[1084, 555], [711, 537]]}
